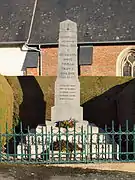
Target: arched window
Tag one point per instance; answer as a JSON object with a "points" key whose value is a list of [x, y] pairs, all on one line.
{"points": [[127, 69], [126, 63]]}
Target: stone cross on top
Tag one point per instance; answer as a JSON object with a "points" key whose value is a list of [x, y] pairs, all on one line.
{"points": [[67, 85]]}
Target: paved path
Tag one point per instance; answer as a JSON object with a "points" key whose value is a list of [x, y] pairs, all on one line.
{"points": [[59, 173]]}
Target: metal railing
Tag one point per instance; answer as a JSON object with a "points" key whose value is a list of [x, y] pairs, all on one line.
{"points": [[85, 144]]}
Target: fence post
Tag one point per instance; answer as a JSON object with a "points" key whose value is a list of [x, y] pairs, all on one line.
{"points": [[67, 148], [113, 141], [98, 142], [14, 137], [120, 141], [87, 142], [47, 135], [36, 147], [59, 143], [43, 144], [127, 133], [29, 147], [75, 141], [52, 144], [91, 143], [21, 136], [82, 133], [106, 133], [7, 142]]}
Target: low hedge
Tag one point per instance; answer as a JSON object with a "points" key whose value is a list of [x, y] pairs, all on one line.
{"points": [[33, 87]]}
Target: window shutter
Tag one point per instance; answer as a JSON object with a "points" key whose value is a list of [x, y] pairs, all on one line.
{"points": [[31, 60], [85, 55]]}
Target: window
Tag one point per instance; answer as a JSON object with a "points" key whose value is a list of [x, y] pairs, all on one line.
{"points": [[128, 65], [85, 54], [127, 69], [125, 65]]}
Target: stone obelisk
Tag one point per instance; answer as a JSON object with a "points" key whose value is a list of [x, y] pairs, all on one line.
{"points": [[67, 85]]}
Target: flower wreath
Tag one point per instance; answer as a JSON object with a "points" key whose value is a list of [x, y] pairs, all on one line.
{"points": [[66, 124]]}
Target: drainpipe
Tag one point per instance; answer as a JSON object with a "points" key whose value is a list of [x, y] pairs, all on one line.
{"points": [[30, 29], [26, 46], [40, 62]]}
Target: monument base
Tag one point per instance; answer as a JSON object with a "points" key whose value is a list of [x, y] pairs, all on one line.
{"points": [[65, 112]]}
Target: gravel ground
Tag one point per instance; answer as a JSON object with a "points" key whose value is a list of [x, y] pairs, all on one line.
{"points": [[23, 172]]}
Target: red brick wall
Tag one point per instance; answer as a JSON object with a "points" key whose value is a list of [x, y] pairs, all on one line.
{"points": [[49, 61], [32, 72], [104, 61]]}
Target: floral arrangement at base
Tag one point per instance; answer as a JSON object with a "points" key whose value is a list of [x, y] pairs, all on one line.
{"points": [[66, 124], [64, 145]]}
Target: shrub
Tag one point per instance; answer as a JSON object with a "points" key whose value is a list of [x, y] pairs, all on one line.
{"points": [[6, 106], [90, 87]]}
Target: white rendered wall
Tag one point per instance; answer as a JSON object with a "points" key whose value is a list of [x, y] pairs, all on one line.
{"points": [[11, 61]]}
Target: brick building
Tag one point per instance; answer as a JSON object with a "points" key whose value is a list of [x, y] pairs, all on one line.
{"points": [[105, 60], [29, 36]]}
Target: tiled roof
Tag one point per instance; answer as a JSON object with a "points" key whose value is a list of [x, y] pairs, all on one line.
{"points": [[15, 18], [97, 20]]}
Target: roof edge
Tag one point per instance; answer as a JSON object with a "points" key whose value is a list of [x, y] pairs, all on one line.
{"points": [[12, 43], [89, 43], [79, 43]]}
